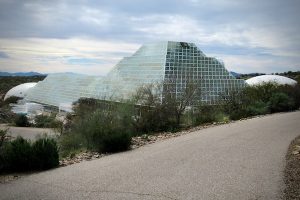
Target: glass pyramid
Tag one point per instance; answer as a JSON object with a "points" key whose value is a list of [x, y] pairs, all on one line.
{"points": [[150, 64]]}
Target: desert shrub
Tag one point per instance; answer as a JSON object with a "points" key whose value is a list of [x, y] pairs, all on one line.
{"points": [[281, 102], [113, 142], [3, 134], [45, 121], [12, 99], [17, 155], [106, 128], [234, 104], [6, 115], [261, 99], [22, 121], [257, 108], [157, 112], [70, 142], [45, 153], [155, 118], [21, 155], [221, 117], [293, 92], [204, 114]]}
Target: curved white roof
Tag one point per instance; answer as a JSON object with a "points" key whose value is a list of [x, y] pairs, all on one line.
{"points": [[281, 80], [19, 90]]}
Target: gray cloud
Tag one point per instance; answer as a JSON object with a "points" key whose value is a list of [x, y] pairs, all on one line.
{"points": [[262, 28], [3, 55]]}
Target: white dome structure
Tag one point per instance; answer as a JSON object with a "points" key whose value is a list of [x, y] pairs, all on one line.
{"points": [[19, 90], [281, 80]]}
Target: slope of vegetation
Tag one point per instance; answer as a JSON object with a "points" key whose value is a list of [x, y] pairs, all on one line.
{"points": [[106, 126]]}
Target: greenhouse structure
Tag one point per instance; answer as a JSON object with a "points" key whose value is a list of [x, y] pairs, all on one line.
{"points": [[164, 62]]}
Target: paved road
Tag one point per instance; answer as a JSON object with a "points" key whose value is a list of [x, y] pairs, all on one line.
{"points": [[27, 132], [243, 160]]}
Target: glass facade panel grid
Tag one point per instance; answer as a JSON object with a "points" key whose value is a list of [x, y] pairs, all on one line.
{"points": [[152, 63]]}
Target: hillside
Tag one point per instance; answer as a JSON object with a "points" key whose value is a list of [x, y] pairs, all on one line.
{"points": [[21, 74], [7, 82]]}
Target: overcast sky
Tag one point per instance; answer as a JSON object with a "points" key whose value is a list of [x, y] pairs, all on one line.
{"points": [[90, 37]]}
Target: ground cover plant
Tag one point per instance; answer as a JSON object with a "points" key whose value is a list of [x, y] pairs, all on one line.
{"points": [[101, 126], [21, 155]]}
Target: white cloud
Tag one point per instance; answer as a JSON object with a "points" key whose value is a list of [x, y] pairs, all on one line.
{"points": [[269, 27], [252, 63], [51, 55], [95, 16]]}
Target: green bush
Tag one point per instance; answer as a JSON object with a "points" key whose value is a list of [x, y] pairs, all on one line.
{"points": [[70, 142], [261, 99], [257, 108], [107, 128], [106, 132], [45, 153], [281, 102], [45, 121], [21, 155], [113, 142], [17, 155], [22, 121], [155, 118], [3, 134], [3, 141], [12, 99], [206, 115]]}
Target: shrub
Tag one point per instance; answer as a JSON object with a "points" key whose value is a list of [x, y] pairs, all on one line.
{"points": [[44, 121], [45, 153], [261, 99], [17, 155], [208, 114], [113, 142], [3, 134], [12, 99], [155, 118], [204, 115], [70, 142], [106, 132], [281, 102], [107, 128], [257, 108], [22, 121], [20, 155]]}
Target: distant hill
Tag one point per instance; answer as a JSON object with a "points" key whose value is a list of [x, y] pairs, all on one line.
{"points": [[235, 74], [22, 74]]}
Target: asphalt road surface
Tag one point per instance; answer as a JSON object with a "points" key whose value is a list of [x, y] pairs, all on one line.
{"points": [[27, 132], [242, 160]]}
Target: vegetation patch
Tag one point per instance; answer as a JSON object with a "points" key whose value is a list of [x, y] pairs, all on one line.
{"points": [[21, 155]]}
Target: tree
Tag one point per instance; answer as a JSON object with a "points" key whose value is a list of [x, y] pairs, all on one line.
{"points": [[179, 101], [168, 101]]}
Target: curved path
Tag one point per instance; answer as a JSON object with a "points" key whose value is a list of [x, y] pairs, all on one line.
{"points": [[29, 133], [242, 160]]}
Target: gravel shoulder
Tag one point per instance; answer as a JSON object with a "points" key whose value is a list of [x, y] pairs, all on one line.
{"points": [[292, 171]]}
